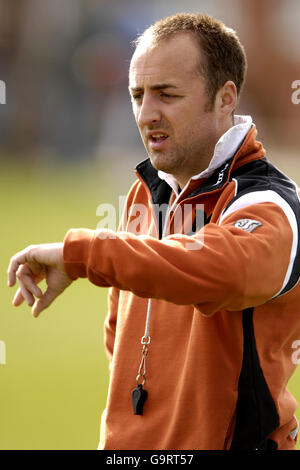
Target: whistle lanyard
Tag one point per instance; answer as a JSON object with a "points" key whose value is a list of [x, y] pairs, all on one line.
{"points": [[145, 341], [139, 394]]}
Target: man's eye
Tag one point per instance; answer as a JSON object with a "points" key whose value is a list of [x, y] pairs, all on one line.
{"points": [[166, 95], [137, 97]]}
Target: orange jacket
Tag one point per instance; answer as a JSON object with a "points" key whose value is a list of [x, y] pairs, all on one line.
{"points": [[225, 310]]}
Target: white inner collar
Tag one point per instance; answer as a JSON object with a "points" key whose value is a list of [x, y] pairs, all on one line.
{"points": [[225, 148]]}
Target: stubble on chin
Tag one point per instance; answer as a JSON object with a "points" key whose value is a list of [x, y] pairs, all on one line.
{"points": [[163, 163]]}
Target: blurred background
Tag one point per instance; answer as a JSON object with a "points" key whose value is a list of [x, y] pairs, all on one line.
{"points": [[68, 142]]}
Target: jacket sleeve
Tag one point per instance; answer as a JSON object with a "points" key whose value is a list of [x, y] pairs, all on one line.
{"points": [[221, 266]]}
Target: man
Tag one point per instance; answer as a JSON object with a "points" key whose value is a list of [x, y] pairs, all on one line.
{"points": [[202, 317]]}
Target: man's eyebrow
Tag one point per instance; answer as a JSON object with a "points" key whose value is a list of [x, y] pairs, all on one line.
{"points": [[158, 86]]}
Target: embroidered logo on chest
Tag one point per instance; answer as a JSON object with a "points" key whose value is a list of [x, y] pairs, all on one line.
{"points": [[247, 224]]}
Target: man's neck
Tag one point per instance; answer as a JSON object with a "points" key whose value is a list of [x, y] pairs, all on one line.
{"points": [[225, 148]]}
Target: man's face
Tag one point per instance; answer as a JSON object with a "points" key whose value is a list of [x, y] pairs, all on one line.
{"points": [[169, 105]]}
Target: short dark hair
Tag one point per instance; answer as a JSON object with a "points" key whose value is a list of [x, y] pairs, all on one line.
{"points": [[223, 54]]}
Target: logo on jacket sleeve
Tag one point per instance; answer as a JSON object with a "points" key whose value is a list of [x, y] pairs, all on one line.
{"points": [[247, 224]]}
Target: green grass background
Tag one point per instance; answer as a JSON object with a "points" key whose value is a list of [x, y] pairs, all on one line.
{"points": [[54, 383]]}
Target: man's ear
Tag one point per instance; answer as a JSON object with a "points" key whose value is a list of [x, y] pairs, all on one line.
{"points": [[226, 99]]}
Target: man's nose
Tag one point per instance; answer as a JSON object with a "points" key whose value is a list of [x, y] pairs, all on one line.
{"points": [[149, 111]]}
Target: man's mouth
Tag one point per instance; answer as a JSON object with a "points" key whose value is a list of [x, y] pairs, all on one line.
{"points": [[157, 139]]}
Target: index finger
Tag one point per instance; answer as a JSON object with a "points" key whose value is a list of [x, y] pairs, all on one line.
{"points": [[15, 262]]}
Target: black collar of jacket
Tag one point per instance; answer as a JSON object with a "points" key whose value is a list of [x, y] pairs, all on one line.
{"points": [[160, 190]]}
